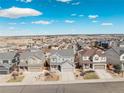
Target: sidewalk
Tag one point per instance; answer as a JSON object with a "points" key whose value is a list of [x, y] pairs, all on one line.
{"points": [[63, 82]]}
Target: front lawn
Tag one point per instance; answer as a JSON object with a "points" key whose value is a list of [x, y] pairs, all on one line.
{"points": [[19, 79], [90, 75]]}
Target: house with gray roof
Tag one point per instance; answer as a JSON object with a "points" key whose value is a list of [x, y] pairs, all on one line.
{"points": [[7, 60], [62, 60], [32, 60], [115, 56], [121, 44]]}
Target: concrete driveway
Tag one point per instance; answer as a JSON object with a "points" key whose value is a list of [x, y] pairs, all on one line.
{"points": [[68, 76], [103, 74], [30, 77]]}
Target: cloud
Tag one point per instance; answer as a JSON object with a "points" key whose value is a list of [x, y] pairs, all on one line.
{"points": [[22, 23], [25, 1], [81, 15], [93, 16], [94, 21], [64, 1], [77, 3], [15, 12], [11, 28], [12, 23], [69, 21], [73, 14], [42, 22], [107, 24], [78, 15]]}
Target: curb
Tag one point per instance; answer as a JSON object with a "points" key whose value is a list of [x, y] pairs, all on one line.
{"points": [[62, 82]]}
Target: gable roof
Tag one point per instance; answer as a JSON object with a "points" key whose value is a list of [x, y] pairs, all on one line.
{"points": [[64, 52], [27, 54], [7, 55], [91, 52], [121, 43], [113, 55]]}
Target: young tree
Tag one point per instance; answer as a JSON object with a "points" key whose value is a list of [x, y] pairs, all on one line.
{"points": [[117, 68]]}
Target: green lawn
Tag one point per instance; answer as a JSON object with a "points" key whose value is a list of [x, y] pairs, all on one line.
{"points": [[91, 75], [19, 79]]}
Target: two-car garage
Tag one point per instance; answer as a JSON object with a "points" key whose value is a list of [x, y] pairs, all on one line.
{"points": [[3, 70]]}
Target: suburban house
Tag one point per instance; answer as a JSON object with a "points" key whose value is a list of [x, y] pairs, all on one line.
{"points": [[115, 56], [32, 60], [62, 60], [92, 59], [114, 43], [7, 60], [121, 44]]}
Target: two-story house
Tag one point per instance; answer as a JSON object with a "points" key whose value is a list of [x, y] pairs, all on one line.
{"points": [[115, 56], [7, 60], [62, 60], [32, 60], [92, 59]]}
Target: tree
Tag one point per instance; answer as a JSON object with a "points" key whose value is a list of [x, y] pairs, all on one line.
{"points": [[14, 74], [46, 65], [117, 68], [78, 47]]}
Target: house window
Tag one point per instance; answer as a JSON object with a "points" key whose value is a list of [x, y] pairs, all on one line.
{"points": [[5, 61], [63, 59], [54, 59], [85, 58], [96, 58], [122, 57], [103, 58]]}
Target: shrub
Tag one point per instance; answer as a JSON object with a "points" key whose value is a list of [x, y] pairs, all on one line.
{"points": [[117, 68]]}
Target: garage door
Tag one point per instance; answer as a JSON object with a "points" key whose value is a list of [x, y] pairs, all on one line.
{"points": [[3, 72], [65, 69], [34, 69], [99, 66]]}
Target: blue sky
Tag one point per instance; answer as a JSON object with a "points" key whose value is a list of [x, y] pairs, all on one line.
{"points": [[49, 17]]}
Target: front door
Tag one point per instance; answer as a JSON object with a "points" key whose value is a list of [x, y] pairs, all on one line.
{"points": [[59, 68]]}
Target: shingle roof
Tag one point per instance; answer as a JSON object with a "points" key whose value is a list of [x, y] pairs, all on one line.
{"points": [[28, 54], [7, 55], [113, 55], [91, 52], [121, 43], [64, 52]]}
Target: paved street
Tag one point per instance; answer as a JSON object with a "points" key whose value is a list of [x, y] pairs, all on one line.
{"points": [[117, 87]]}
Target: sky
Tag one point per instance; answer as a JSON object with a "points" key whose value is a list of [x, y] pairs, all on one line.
{"points": [[51, 17]]}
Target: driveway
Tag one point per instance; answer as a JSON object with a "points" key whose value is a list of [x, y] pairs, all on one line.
{"points": [[4, 78], [103, 74], [68, 76], [30, 76]]}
